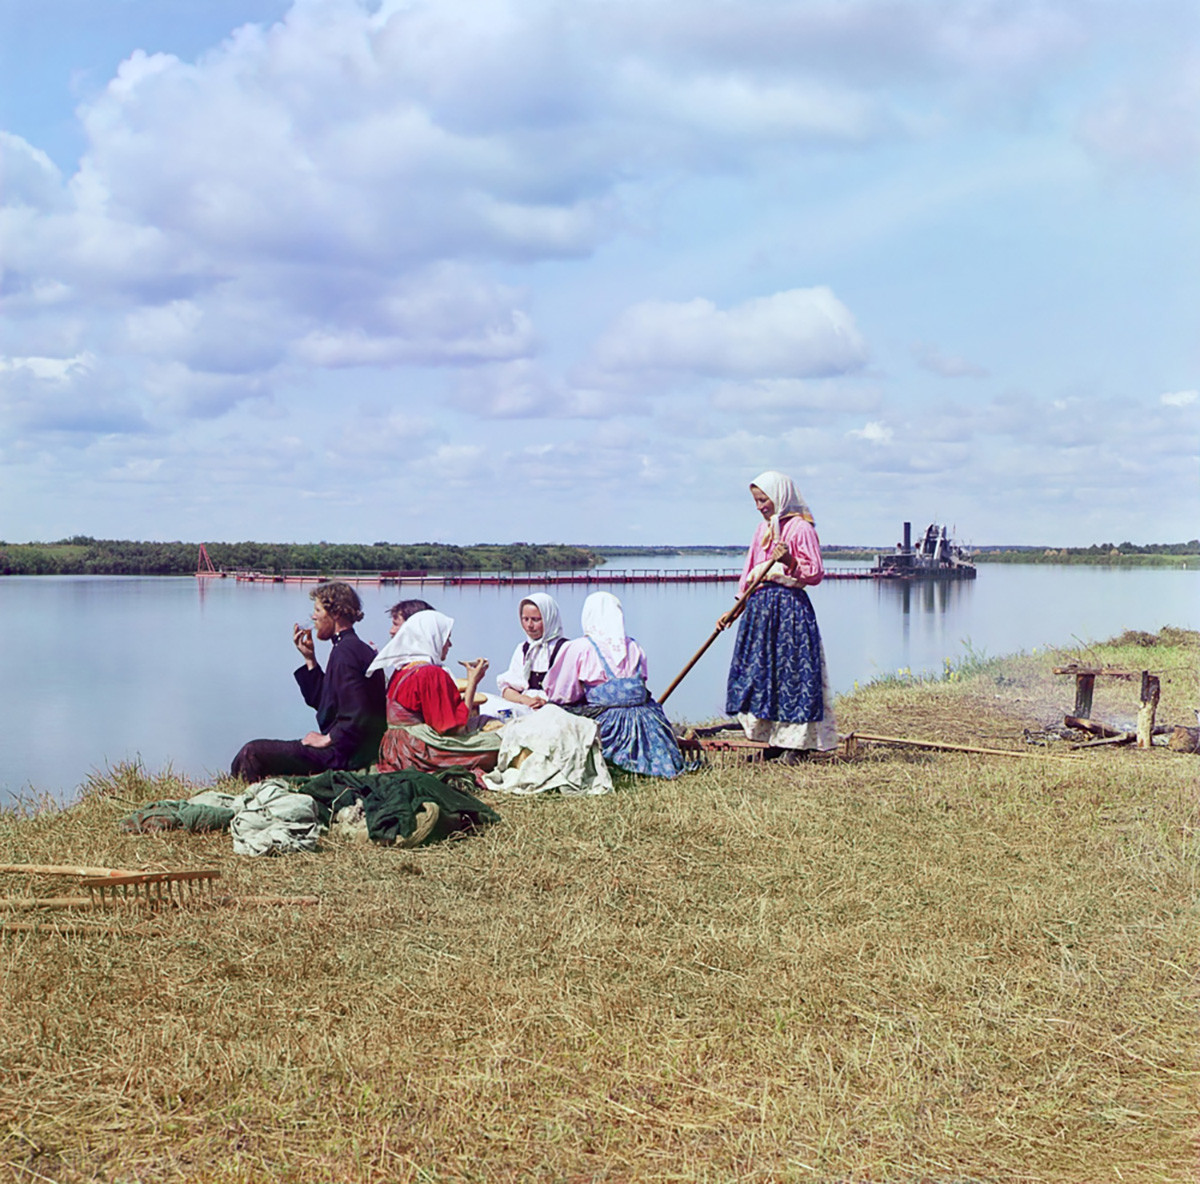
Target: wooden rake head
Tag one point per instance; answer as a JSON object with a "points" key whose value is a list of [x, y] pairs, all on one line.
{"points": [[154, 889]]}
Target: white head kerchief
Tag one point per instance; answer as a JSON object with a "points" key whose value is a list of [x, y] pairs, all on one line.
{"points": [[785, 497], [551, 628], [420, 639], [604, 622]]}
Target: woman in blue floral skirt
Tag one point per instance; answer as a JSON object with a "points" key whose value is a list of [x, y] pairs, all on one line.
{"points": [[778, 688], [603, 675]]}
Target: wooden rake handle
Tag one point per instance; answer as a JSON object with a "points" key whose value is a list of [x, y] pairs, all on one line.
{"points": [[59, 869], [739, 607]]}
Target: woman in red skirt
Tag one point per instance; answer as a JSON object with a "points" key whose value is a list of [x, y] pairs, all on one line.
{"points": [[432, 725]]}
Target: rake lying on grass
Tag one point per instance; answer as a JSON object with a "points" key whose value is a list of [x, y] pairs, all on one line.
{"points": [[117, 886], [109, 886]]}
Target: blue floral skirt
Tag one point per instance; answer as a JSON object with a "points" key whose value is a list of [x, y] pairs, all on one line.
{"points": [[777, 672], [634, 731]]}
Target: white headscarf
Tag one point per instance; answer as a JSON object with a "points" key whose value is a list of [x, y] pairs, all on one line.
{"points": [[604, 622], [420, 639], [551, 628], [784, 496]]}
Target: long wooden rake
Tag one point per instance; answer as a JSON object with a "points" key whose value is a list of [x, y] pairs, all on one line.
{"points": [[120, 890], [113, 887]]}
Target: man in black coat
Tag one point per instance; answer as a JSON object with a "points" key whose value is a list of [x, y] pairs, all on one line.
{"points": [[349, 703]]}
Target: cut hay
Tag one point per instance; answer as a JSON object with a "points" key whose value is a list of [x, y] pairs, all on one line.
{"points": [[905, 966]]}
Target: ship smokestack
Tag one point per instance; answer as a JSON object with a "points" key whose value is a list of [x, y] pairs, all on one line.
{"points": [[908, 536]]}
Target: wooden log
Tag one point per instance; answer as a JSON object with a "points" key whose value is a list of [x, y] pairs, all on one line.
{"points": [[1147, 710], [1119, 738], [1090, 725], [1103, 671], [1085, 685], [1185, 740]]}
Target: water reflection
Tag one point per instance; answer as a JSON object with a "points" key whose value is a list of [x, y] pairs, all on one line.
{"points": [[924, 596]]}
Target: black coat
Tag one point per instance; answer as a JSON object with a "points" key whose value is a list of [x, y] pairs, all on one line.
{"points": [[349, 703]]}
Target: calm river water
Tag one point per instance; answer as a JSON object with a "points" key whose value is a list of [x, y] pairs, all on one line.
{"points": [[99, 670]]}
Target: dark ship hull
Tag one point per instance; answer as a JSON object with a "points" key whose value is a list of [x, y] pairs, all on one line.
{"points": [[936, 557]]}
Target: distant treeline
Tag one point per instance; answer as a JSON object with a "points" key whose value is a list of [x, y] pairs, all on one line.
{"points": [[120, 557], [1118, 555]]}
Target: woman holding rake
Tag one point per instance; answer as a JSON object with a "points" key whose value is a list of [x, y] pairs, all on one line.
{"points": [[777, 687]]}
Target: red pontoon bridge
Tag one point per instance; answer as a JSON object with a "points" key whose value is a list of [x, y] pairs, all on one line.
{"points": [[592, 577]]}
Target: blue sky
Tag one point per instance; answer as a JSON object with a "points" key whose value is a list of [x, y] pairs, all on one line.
{"points": [[577, 271]]}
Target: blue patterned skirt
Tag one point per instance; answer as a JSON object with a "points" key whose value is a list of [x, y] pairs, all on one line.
{"points": [[634, 731], [776, 672]]}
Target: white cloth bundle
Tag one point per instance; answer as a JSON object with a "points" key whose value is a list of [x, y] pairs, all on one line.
{"points": [[550, 749], [269, 817]]}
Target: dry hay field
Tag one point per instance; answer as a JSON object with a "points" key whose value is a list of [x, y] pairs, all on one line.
{"points": [[908, 965]]}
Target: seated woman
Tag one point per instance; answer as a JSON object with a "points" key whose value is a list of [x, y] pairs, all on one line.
{"points": [[603, 675], [402, 610], [521, 684], [431, 724]]}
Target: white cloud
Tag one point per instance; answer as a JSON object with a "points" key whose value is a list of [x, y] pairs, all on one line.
{"points": [[50, 369], [31, 179], [741, 109], [175, 389], [436, 316], [1179, 398], [802, 333], [140, 471], [864, 40], [71, 399], [874, 432]]}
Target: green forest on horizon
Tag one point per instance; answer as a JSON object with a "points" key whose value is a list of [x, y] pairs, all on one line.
{"points": [[82, 555]]}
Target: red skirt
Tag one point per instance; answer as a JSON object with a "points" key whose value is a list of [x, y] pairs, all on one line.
{"points": [[402, 749]]}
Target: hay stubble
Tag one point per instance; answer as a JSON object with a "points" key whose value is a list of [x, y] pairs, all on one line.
{"points": [[908, 966]]}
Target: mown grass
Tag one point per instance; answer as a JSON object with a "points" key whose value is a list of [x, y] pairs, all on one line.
{"points": [[904, 966]]}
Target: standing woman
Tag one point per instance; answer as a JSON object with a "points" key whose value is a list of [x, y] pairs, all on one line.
{"points": [[778, 687], [521, 683]]}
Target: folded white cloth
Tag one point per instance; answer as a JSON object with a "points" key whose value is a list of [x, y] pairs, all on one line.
{"points": [[550, 749], [269, 817]]}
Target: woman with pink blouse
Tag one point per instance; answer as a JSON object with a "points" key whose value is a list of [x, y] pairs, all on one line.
{"points": [[778, 688]]}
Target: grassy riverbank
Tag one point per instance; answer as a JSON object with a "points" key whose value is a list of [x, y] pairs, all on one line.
{"points": [[1092, 557], [909, 965]]}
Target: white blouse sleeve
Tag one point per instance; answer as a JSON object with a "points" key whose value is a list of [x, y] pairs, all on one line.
{"points": [[514, 677]]}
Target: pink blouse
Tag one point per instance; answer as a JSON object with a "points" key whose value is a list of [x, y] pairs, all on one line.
{"points": [[578, 667], [800, 536]]}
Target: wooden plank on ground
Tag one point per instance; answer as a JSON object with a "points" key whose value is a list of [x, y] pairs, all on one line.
{"points": [[943, 746]]}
